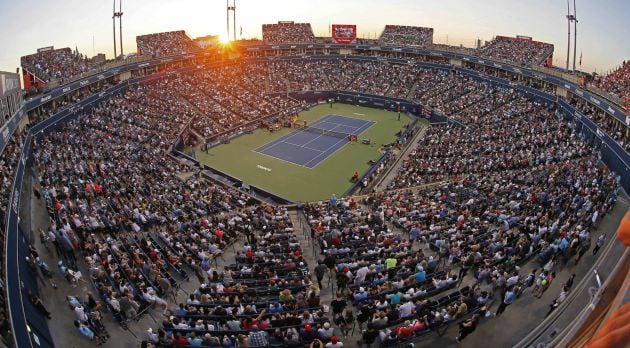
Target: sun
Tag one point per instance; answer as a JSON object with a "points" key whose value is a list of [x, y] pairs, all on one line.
{"points": [[224, 39]]}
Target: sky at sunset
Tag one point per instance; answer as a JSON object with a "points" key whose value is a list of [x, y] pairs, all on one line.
{"points": [[603, 32]]}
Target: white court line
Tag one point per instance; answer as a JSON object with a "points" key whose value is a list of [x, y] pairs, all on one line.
{"points": [[368, 126], [323, 153], [282, 139], [329, 130], [354, 118], [300, 131], [292, 134], [302, 146], [281, 159]]}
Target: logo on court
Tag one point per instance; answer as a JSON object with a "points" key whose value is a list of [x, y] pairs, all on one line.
{"points": [[263, 168]]}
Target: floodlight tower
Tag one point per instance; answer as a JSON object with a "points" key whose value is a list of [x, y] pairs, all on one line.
{"points": [[114, 27], [570, 18], [119, 16], [575, 20], [233, 9]]}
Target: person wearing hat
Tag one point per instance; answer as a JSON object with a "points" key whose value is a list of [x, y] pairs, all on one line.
{"points": [[326, 332], [334, 343], [361, 294], [307, 333]]}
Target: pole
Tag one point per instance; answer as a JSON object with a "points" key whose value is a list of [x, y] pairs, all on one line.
{"points": [[234, 19], [574, 33], [568, 34], [114, 27], [120, 13]]}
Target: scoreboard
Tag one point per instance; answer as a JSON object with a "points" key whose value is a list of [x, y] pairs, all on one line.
{"points": [[344, 33]]}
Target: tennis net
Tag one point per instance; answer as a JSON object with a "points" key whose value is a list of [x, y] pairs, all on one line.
{"points": [[326, 132]]}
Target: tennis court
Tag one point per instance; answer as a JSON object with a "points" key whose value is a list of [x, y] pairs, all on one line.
{"points": [[309, 146]]}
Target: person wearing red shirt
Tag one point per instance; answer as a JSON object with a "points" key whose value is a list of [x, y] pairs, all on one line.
{"points": [[153, 255], [219, 233], [405, 330], [179, 341], [336, 241], [249, 323], [419, 325]]}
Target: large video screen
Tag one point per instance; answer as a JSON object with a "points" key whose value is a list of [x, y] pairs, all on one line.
{"points": [[344, 33]]}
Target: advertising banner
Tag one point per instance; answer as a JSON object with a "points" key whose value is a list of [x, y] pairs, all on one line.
{"points": [[344, 33]]}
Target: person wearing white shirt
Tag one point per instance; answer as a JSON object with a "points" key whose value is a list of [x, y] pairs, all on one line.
{"points": [[150, 296], [326, 332], [115, 304], [513, 280], [79, 311], [360, 276], [405, 310]]}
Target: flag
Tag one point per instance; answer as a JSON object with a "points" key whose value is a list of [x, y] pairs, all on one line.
{"points": [[580, 58]]}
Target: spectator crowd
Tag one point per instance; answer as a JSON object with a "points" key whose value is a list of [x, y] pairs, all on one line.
{"points": [[406, 36], [165, 44], [617, 82], [512, 183], [288, 32], [518, 50], [58, 64]]}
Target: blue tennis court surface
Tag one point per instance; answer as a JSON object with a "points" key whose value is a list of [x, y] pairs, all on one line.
{"points": [[307, 148]]}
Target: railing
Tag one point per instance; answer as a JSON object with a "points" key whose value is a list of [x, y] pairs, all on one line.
{"points": [[564, 323], [559, 74], [606, 95]]}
